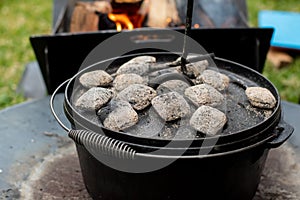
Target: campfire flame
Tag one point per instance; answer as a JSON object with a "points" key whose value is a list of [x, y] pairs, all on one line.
{"points": [[122, 21], [197, 26]]}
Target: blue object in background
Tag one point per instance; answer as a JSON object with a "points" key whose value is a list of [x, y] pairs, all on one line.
{"points": [[286, 25]]}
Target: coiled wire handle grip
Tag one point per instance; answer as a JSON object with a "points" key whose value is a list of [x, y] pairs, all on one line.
{"points": [[102, 144], [94, 141]]}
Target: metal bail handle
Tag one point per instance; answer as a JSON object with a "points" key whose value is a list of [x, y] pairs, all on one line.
{"points": [[52, 106]]}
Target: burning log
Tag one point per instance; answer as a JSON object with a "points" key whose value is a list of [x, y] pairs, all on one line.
{"points": [[85, 17], [162, 13], [130, 14]]}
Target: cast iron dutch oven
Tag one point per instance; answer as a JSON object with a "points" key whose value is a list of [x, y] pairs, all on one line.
{"points": [[119, 165]]}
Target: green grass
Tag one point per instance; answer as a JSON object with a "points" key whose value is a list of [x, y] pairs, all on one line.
{"points": [[20, 19], [254, 6], [286, 80]]}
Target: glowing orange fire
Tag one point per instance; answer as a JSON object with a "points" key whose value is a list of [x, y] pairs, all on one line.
{"points": [[196, 26], [122, 21]]}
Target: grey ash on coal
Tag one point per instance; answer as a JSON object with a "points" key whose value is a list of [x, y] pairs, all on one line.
{"points": [[123, 81], [118, 115], [207, 104], [204, 94], [171, 106], [139, 96], [94, 99], [261, 97], [208, 120], [95, 78], [215, 79]]}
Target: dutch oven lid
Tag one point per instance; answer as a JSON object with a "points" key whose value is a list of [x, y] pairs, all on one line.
{"points": [[225, 140]]}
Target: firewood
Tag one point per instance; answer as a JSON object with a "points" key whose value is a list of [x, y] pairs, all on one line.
{"points": [[84, 18], [279, 58], [162, 12], [127, 1]]}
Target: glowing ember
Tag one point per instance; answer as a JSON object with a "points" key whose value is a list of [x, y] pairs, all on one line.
{"points": [[196, 26], [169, 20], [122, 21]]}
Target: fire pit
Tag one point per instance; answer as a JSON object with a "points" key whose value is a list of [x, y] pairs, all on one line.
{"points": [[57, 65], [243, 150]]}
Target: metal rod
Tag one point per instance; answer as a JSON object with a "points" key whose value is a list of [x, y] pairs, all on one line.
{"points": [[193, 59], [201, 57], [188, 26]]}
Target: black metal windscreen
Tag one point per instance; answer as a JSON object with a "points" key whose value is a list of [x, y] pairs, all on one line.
{"points": [[60, 55]]}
